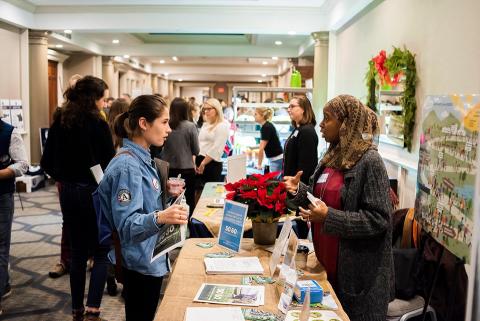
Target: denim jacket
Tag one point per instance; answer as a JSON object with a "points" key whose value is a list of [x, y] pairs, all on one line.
{"points": [[130, 193]]}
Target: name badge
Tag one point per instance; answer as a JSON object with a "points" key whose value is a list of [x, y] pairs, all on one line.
{"points": [[295, 133], [323, 178]]}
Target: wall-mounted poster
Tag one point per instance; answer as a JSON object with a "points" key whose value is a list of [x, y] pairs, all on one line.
{"points": [[5, 110], [447, 170], [16, 112]]}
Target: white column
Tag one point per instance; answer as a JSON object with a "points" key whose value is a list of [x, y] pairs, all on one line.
{"points": [[108, 74], [320, 71], [39, 111]]}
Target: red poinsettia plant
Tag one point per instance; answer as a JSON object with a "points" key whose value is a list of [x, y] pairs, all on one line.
{"points": [[264, 194], [379, 62]]}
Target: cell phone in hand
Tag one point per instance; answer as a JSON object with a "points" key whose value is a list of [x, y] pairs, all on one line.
{"points": [[312, 199]]}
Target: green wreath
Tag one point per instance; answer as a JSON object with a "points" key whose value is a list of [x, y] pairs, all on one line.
{"points": [[400, 61]]}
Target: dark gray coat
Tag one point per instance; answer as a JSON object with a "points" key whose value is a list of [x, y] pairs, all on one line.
{"points": [[365, 263]]}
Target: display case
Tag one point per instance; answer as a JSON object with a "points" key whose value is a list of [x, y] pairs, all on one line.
{"points": [[391, 117], [247, 133]]}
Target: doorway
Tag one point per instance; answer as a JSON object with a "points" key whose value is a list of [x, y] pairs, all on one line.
{"points": [[52, 89]]}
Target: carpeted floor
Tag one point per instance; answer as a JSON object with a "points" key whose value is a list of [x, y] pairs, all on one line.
{"points": [[35, 249]]}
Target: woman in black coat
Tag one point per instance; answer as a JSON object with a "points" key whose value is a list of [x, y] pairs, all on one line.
{"points": [[300, 151]]}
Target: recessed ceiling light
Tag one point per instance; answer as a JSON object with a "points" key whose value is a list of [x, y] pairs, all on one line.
{"points": [[58, 46], [259, 81], [67, 31], [275, 58], [175, 58], [115, 41], [126, 56], [165, 74], [265, 62], [162, 61], [291, 33], [180, 79], [264, 75], [278, 43]]}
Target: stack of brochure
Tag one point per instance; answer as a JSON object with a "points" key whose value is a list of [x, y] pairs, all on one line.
{"points": [[250, 295], [235, 265]]}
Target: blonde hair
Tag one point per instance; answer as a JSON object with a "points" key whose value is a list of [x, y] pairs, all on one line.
{"points": [[212, 102], [266, 113]]}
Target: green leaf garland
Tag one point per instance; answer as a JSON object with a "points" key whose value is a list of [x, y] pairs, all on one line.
{"points": [[399, 61]]}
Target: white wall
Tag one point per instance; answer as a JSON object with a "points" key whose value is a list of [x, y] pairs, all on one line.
{"points": [[196, 92], [444, 36]]}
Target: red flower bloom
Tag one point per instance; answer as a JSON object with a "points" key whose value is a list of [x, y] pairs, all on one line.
{"points": [[262, 193]]}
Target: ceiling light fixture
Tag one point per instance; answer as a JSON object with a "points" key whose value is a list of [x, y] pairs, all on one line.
{"points": [[126, 56], [265, 62], [162, 61], [166, 74], [175, 58], [259, 81], [275, 58], [264, 75], [68, 31], [180, 79], [278, 43], [58, 46], [291, 33], [115, 41]]}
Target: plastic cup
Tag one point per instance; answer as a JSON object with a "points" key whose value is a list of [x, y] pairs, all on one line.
{"points": [[176, 184]]}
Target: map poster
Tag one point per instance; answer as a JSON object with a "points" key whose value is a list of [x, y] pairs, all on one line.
{"points": [[447, 170]]}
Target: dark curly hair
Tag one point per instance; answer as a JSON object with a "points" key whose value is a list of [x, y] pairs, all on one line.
{"points": [[80, 101]]}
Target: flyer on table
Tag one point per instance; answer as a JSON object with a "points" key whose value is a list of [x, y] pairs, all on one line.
{"points": [[231, 230]]}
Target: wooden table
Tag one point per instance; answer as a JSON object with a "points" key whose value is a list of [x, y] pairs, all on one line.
{"points": [[189, 274]]}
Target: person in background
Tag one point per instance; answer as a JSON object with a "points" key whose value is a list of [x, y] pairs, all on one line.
{"points": [[227, 112], [119, 106], [269, 141], [181, 148], [127, 97], [108, 105], [61, 268], [300, 151], [13, 163], [194, 113], [212, 138], [130, 198], [352, 233], [78, 139]]}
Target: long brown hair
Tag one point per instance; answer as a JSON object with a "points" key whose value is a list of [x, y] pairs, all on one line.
{"points": [[149, 106], [81, 100]]}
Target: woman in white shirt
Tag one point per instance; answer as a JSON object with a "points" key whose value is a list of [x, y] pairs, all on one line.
{"points": [[212, 139]]}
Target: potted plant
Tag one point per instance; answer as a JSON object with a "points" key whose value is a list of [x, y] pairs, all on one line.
{"points": [[265, 196]]}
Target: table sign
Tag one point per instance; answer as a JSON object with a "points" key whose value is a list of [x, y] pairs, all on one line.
{"points": [[280, 245], [291, 250], [231, 229], [236, 168]]}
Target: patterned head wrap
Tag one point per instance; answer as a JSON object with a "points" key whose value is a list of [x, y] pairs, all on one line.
{"points": [[358, 126]]}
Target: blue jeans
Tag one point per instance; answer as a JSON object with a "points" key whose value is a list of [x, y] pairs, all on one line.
{"points": [[79, 214], [6, 218], [276, 166]]}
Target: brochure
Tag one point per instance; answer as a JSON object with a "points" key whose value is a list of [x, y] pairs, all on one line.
{"points": [[323, 315], [170, 236], [235, 265], [285, 287], [207, 314], [231, 230], [250, 295]]}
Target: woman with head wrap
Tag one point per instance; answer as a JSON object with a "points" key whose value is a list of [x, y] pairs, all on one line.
{"points": [[351, 216]]}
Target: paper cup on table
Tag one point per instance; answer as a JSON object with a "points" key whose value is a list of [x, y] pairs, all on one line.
{"points": [[176, 184]]}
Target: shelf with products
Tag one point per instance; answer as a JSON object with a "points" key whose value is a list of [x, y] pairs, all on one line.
{"points": [[391, 115], [247, 134]]}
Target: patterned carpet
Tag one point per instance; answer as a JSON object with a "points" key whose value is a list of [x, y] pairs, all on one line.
{"points": [[35, 249]]}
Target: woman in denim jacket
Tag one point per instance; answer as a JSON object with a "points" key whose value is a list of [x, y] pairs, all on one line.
{"points": [[131, 198]]}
